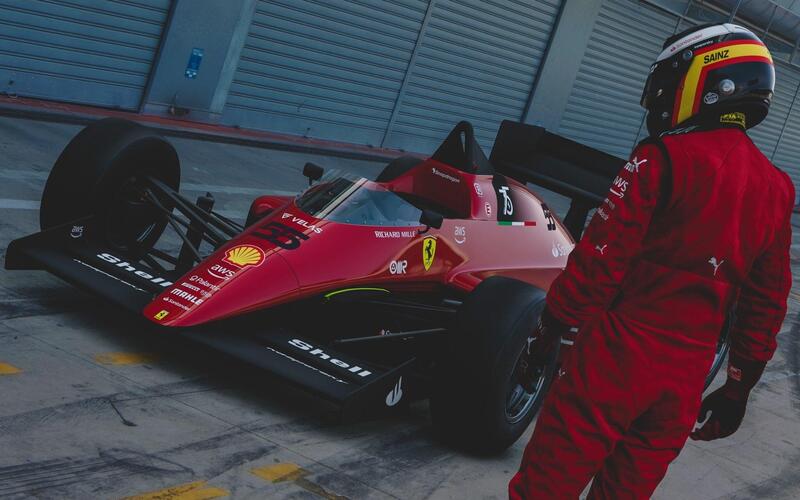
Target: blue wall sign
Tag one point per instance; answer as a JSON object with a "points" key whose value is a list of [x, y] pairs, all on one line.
{"points": [[193, 66]]}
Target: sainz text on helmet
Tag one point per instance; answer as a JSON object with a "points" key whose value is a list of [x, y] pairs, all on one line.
{"points": [[711, 74]]}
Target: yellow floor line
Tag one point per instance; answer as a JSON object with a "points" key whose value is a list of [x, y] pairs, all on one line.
{"points": [[6, 369], [278, 473], [189, 491], [124, 358]]}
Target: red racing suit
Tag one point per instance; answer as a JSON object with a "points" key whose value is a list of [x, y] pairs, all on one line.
{"points": [[697, 223]]}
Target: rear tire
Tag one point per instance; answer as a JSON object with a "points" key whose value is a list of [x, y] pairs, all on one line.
{"points": [[476, 403], [398, 167], [100, 170]]}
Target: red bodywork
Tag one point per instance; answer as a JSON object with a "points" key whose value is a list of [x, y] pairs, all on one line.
{"points": [[269, 265]]}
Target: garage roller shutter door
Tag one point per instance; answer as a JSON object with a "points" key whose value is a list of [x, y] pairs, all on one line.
{"points": [[785, 110], [477, 61], [603, 109], [96, 52], [324, 69], [766, 134]]}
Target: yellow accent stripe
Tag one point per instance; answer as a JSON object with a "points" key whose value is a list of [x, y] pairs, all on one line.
{"points": [[364, 289], [279, 472], [6, 369], [124, 358], [189, 491], [702, 60]]}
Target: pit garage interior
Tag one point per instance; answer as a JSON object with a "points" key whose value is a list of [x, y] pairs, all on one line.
{"points": [[248, 91]]}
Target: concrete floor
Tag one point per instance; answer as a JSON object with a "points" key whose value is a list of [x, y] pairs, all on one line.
{"points": [[91, 408]]}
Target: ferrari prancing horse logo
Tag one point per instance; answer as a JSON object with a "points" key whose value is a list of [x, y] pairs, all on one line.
{"points": [[428, 251]]}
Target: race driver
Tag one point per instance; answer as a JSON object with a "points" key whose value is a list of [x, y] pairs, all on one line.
{"points": [[696, 225]]}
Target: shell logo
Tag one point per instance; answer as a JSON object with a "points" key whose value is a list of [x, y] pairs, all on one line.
{"points": [[244, 255]]}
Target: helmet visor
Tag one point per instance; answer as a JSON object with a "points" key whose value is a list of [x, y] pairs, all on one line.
{"points": [[662, 80]]}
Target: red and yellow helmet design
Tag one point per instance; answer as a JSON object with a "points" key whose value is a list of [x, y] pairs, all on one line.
{"points": [[720, 73]]}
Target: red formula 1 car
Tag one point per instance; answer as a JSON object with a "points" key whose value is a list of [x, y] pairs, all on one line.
{"points": [[425, 283]]}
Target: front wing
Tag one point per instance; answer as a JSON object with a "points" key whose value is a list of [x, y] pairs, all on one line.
{"points": [[353, 384], [71, 253]]}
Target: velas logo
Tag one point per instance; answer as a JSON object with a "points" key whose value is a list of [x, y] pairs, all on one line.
{"points": [[244, 255], [301, 222]]}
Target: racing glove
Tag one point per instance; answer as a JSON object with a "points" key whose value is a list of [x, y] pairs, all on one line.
{"points": [[540, 347], [728, 403]]}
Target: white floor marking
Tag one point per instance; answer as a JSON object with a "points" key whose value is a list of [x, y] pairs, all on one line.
{"points": [[13, 204], [24, 175]]}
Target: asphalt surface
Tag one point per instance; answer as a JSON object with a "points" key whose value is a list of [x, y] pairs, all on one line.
{"points": [[92, 408]]}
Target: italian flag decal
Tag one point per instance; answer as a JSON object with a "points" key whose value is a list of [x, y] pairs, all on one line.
{"points": [[516, 223]]}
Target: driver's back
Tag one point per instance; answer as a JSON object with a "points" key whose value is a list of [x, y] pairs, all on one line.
{"points": [[722, 232]]}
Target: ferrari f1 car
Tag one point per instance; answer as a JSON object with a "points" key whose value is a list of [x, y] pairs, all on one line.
{"points": [[424, 283]]}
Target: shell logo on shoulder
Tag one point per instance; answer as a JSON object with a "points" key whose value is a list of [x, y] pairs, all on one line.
{"points": [[244, 255]]}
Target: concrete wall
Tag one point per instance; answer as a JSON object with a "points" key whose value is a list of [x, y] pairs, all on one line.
{"points": [[560, 67], [220, 33]]}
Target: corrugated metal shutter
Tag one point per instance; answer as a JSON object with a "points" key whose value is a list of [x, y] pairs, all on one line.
{"points": [[766, 134], [603, 109], [477, 61], [323, 69], [785, 109], [86, 51]]}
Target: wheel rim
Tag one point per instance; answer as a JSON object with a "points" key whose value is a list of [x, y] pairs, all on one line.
{"points": [[719, 355], [519, 401]]}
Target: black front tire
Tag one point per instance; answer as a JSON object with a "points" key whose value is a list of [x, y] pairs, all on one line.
{"points": [[103, 168], [477, 381]]}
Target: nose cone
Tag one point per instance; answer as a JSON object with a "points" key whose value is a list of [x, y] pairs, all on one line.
{"points": [[235, 280]]}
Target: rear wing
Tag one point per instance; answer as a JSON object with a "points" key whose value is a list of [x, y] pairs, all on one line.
{"points": [[532, 154]]}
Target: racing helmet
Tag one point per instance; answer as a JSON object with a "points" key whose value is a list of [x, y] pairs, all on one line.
{"points": [[714, 73]]}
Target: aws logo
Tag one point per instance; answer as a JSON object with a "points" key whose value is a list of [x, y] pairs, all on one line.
{"points": [[716, 56], [235, 259], [222, 272]]}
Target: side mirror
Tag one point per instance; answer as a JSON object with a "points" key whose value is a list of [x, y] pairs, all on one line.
{"points": [[313, 172], [430, 219]]}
